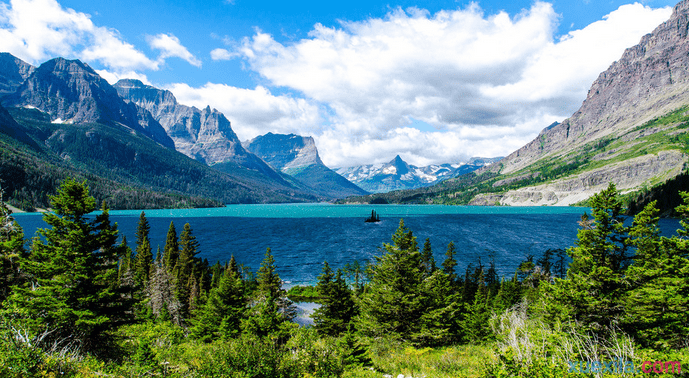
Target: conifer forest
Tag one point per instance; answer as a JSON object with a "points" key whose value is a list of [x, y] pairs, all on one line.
{"points": [[76, 301]]}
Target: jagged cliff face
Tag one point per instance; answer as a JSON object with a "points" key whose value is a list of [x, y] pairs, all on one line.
{"points": [[285, 152], [616, 135], [13, 72], [72, 92], [649, 80], [203, 134], [297, 156]]}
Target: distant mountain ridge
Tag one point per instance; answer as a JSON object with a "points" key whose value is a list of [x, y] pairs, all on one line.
{"points": [[398, 175], [298, 157]]}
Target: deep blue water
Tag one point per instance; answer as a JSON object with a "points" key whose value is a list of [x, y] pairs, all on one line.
{"points": [[302, 236]]}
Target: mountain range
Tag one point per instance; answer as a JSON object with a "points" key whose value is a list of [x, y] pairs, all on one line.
{"points": [[399, 175], [630, 130], [134, 143], [139, 147]]}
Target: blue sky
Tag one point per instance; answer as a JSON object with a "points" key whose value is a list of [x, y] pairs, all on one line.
{"points": [[432, 81]]}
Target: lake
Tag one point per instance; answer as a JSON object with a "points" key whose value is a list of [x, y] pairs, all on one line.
{"points": [[302, 236]]}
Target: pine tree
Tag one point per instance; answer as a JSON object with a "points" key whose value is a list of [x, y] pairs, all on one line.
{"points": [[475, 321], [394, 300], [272, 311], [223, 311], [337, 306], [11, 250], [657, 303], [427, 258], [73, 272], [450, 262], [171, 250], [595, 280], [144, 253], [186, 264]]}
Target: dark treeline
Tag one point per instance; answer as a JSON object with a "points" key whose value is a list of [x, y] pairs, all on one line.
{"points": [[79, 299]]}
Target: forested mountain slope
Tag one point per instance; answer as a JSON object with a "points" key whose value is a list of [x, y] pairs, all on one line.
{"points": [[65, 120]]}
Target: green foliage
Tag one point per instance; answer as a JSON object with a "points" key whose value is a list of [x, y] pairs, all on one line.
{"points": [[223, 311], [304, 294], [337, 305], [11, 250], [72, 271], [595, 281], [393, 302], [657, 301]]}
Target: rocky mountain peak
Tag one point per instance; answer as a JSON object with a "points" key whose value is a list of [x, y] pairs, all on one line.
{"points": [[399, 166], [284, 152], [71, 91], [13, 72], [202, 134]]}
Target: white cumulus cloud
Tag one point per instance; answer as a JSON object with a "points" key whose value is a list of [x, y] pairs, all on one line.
{"points": [[37, 30], [170, 46], [487, 83]]}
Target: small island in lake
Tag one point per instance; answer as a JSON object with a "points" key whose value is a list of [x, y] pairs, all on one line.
{"points": [[373, 218]]}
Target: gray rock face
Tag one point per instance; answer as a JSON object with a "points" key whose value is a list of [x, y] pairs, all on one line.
{"points": [[285, 152], [297, 156], [397, 174], [13, 72], [72, 92], [649, 80], [202, 134]]}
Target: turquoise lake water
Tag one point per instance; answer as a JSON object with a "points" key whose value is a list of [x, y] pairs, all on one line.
{"points": [[302, 236]]}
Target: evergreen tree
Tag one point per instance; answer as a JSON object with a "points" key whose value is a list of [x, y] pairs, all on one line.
{"points": [[450, 262], [394, 301], [337, 306], [11, 250], [427, 258], [475, 326], [223, 311], [356, 272], [73, 272], [591, 294], [171, 249], [272, 312], [186, 265], [142, 230], [144, 253], [657, 303]]}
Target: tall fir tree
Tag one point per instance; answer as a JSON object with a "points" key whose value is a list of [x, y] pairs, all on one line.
{"points": [[427, 258], [337, 305], [73, 289], [221, 315], [11, 250], [394, 301], [186, 266], [144, 253], [657, 301], [595, 281], [450, 262], [171, 249], [272, 312]]}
